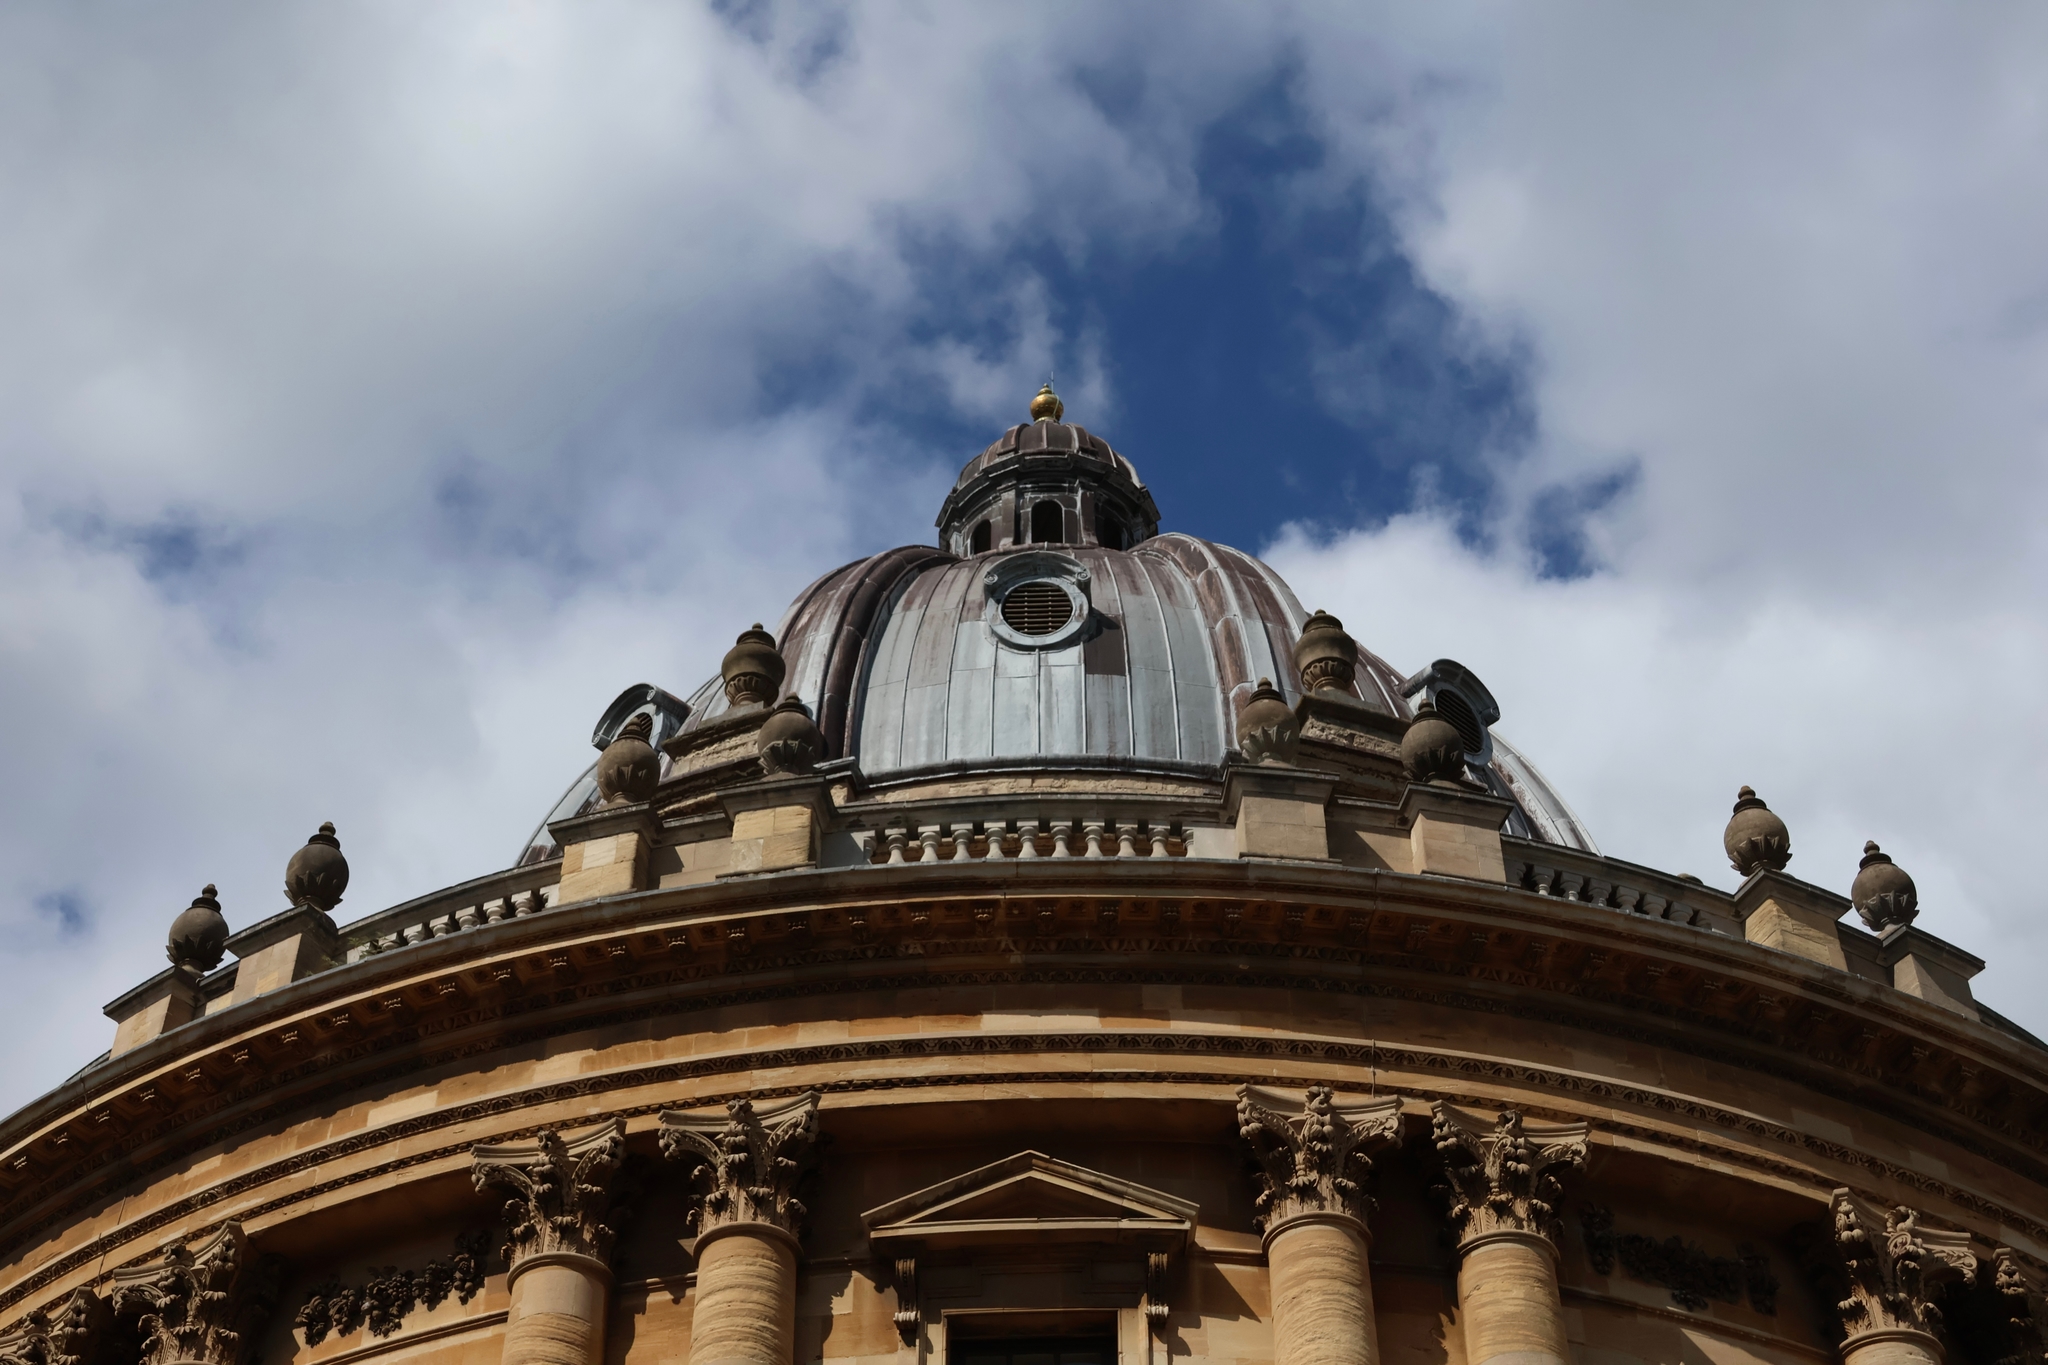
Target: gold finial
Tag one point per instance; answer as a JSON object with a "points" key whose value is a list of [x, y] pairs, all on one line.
{"points": [[1047, 406]]}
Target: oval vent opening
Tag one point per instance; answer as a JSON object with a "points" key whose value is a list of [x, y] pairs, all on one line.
{"points": [[1463, 719], [1037, 608]]}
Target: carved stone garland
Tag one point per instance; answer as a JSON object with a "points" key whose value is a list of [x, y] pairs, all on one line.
{"points": [[1504, 1176], [563, 1191], [203, 1305], [383, 1301], [748, 1163], [76, 1336], [1895, 1267], [1314, 1161]]}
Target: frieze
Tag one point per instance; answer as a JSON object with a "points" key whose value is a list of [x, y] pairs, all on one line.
{"points": [[384, 1300], [1235, 1047], [1693, 1276]]}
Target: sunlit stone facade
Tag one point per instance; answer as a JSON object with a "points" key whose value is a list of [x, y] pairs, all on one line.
{"points": [[1048, 948]]}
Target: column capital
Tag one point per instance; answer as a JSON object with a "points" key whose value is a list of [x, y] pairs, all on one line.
{"points": [[563, 1190], [1894, 1267], [1504, 1176], [748, 1161], [200, 1305], [1313, 1153], [76, 1332]]}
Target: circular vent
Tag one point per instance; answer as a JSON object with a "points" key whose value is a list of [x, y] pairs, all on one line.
{"points": [[1463, 719], [1037, 608]]}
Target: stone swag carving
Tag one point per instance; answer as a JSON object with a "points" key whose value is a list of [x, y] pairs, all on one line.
{"points": [[1504, 1176], [563, 1192], [76, 1335], [382, 1302], [1315, 1161], [202, 1305], [749, 1164], [1685, 1268], [1891, 1268]]}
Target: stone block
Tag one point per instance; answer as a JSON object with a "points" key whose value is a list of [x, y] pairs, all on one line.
{"points": [[1937, 972], [606, 853], [1453, 832], [281, 950], [1279, 811], [1793, 916], [157, 1006], [776, 824]]}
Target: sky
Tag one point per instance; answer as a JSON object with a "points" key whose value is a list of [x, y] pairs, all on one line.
{"points": [[383, 387]]}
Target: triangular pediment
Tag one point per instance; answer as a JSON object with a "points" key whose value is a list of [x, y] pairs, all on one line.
{"points": [[1031, 1197]]}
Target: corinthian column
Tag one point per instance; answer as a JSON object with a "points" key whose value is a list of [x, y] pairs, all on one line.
{"points": [[199, 1306], [559, 1240], [1894, 1268], [1312, 1155], [748, 1221], [1503, 1185]]}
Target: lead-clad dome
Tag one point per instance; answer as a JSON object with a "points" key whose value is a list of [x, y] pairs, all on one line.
{"points": [[1058, 627]]}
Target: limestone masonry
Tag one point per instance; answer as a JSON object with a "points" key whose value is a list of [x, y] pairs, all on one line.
{"points": [[1052, 947]]}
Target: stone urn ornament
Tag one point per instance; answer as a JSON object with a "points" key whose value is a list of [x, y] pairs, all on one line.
{"points": [[199, 935], [629, 769], [1432, 750], [753, 669], [317, 873], [1883, 894], [789, 741], [1267, 731], [1756, 838], [1325, 656]]}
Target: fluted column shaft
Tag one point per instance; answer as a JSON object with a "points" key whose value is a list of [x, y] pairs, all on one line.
{"points": [[1508, 1300], [559, 1304], [1322, 1293], [1892, 1346], [746, 1297]]}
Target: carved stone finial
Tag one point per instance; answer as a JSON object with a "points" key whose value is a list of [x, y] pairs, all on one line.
{"points": [[563, 1191], [317, 873], [1504, 1176], [1895, 1267], [789, 740], [1882, 892], [1432, 750], [629, 770], [1755, 838], [1325, 656], [1047, 407], [753, 669], [1313, 1153], [1267, 731], [76, 1335], [748, 1161], [199, 1306], [199, 935]]}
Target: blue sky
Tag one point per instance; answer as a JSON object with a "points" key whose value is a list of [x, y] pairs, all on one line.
{"points": [[384, 387]]}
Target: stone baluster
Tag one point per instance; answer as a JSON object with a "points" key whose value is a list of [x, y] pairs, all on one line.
{"points": [[748, 1222], [1158, 835], [1503, 1181], [1063, 838], [1126, 841], [1027, 838], [963, 839], [1313, 1160], [1092, 832], [1891, 1270], [897, 840], [928, 840], [995, 830], [560, 1230], [203, 1305]]}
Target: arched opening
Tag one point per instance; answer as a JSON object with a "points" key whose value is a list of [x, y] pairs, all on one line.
{"points": [[1109, 531], [1048, 523], [983, 537]]}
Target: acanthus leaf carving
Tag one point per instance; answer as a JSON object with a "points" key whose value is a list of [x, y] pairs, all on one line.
{"points": [[2020, 1311], [1894, 1266], [201, 1305], [1505, 1176], [76, 1335], [1313, 1154], [563, 1189], [748, 1162]]}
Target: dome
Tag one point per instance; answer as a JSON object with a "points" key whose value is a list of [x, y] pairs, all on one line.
{"points": [[1058, 627]]}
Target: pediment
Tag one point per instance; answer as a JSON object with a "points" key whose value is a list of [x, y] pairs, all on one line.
{"points": [[1031, 1197]]}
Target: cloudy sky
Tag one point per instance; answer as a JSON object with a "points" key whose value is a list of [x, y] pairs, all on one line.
{"points": [[383, 387]]}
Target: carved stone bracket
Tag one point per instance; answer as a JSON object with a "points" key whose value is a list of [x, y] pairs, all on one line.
{"points": [[1158, 1279], [906, 1315], [77, 1335], [383, 1301], [202, 1305], [1504, 1176], [1895, 1267], [748, 1162], [1313, 1153], [563, 1191]]}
